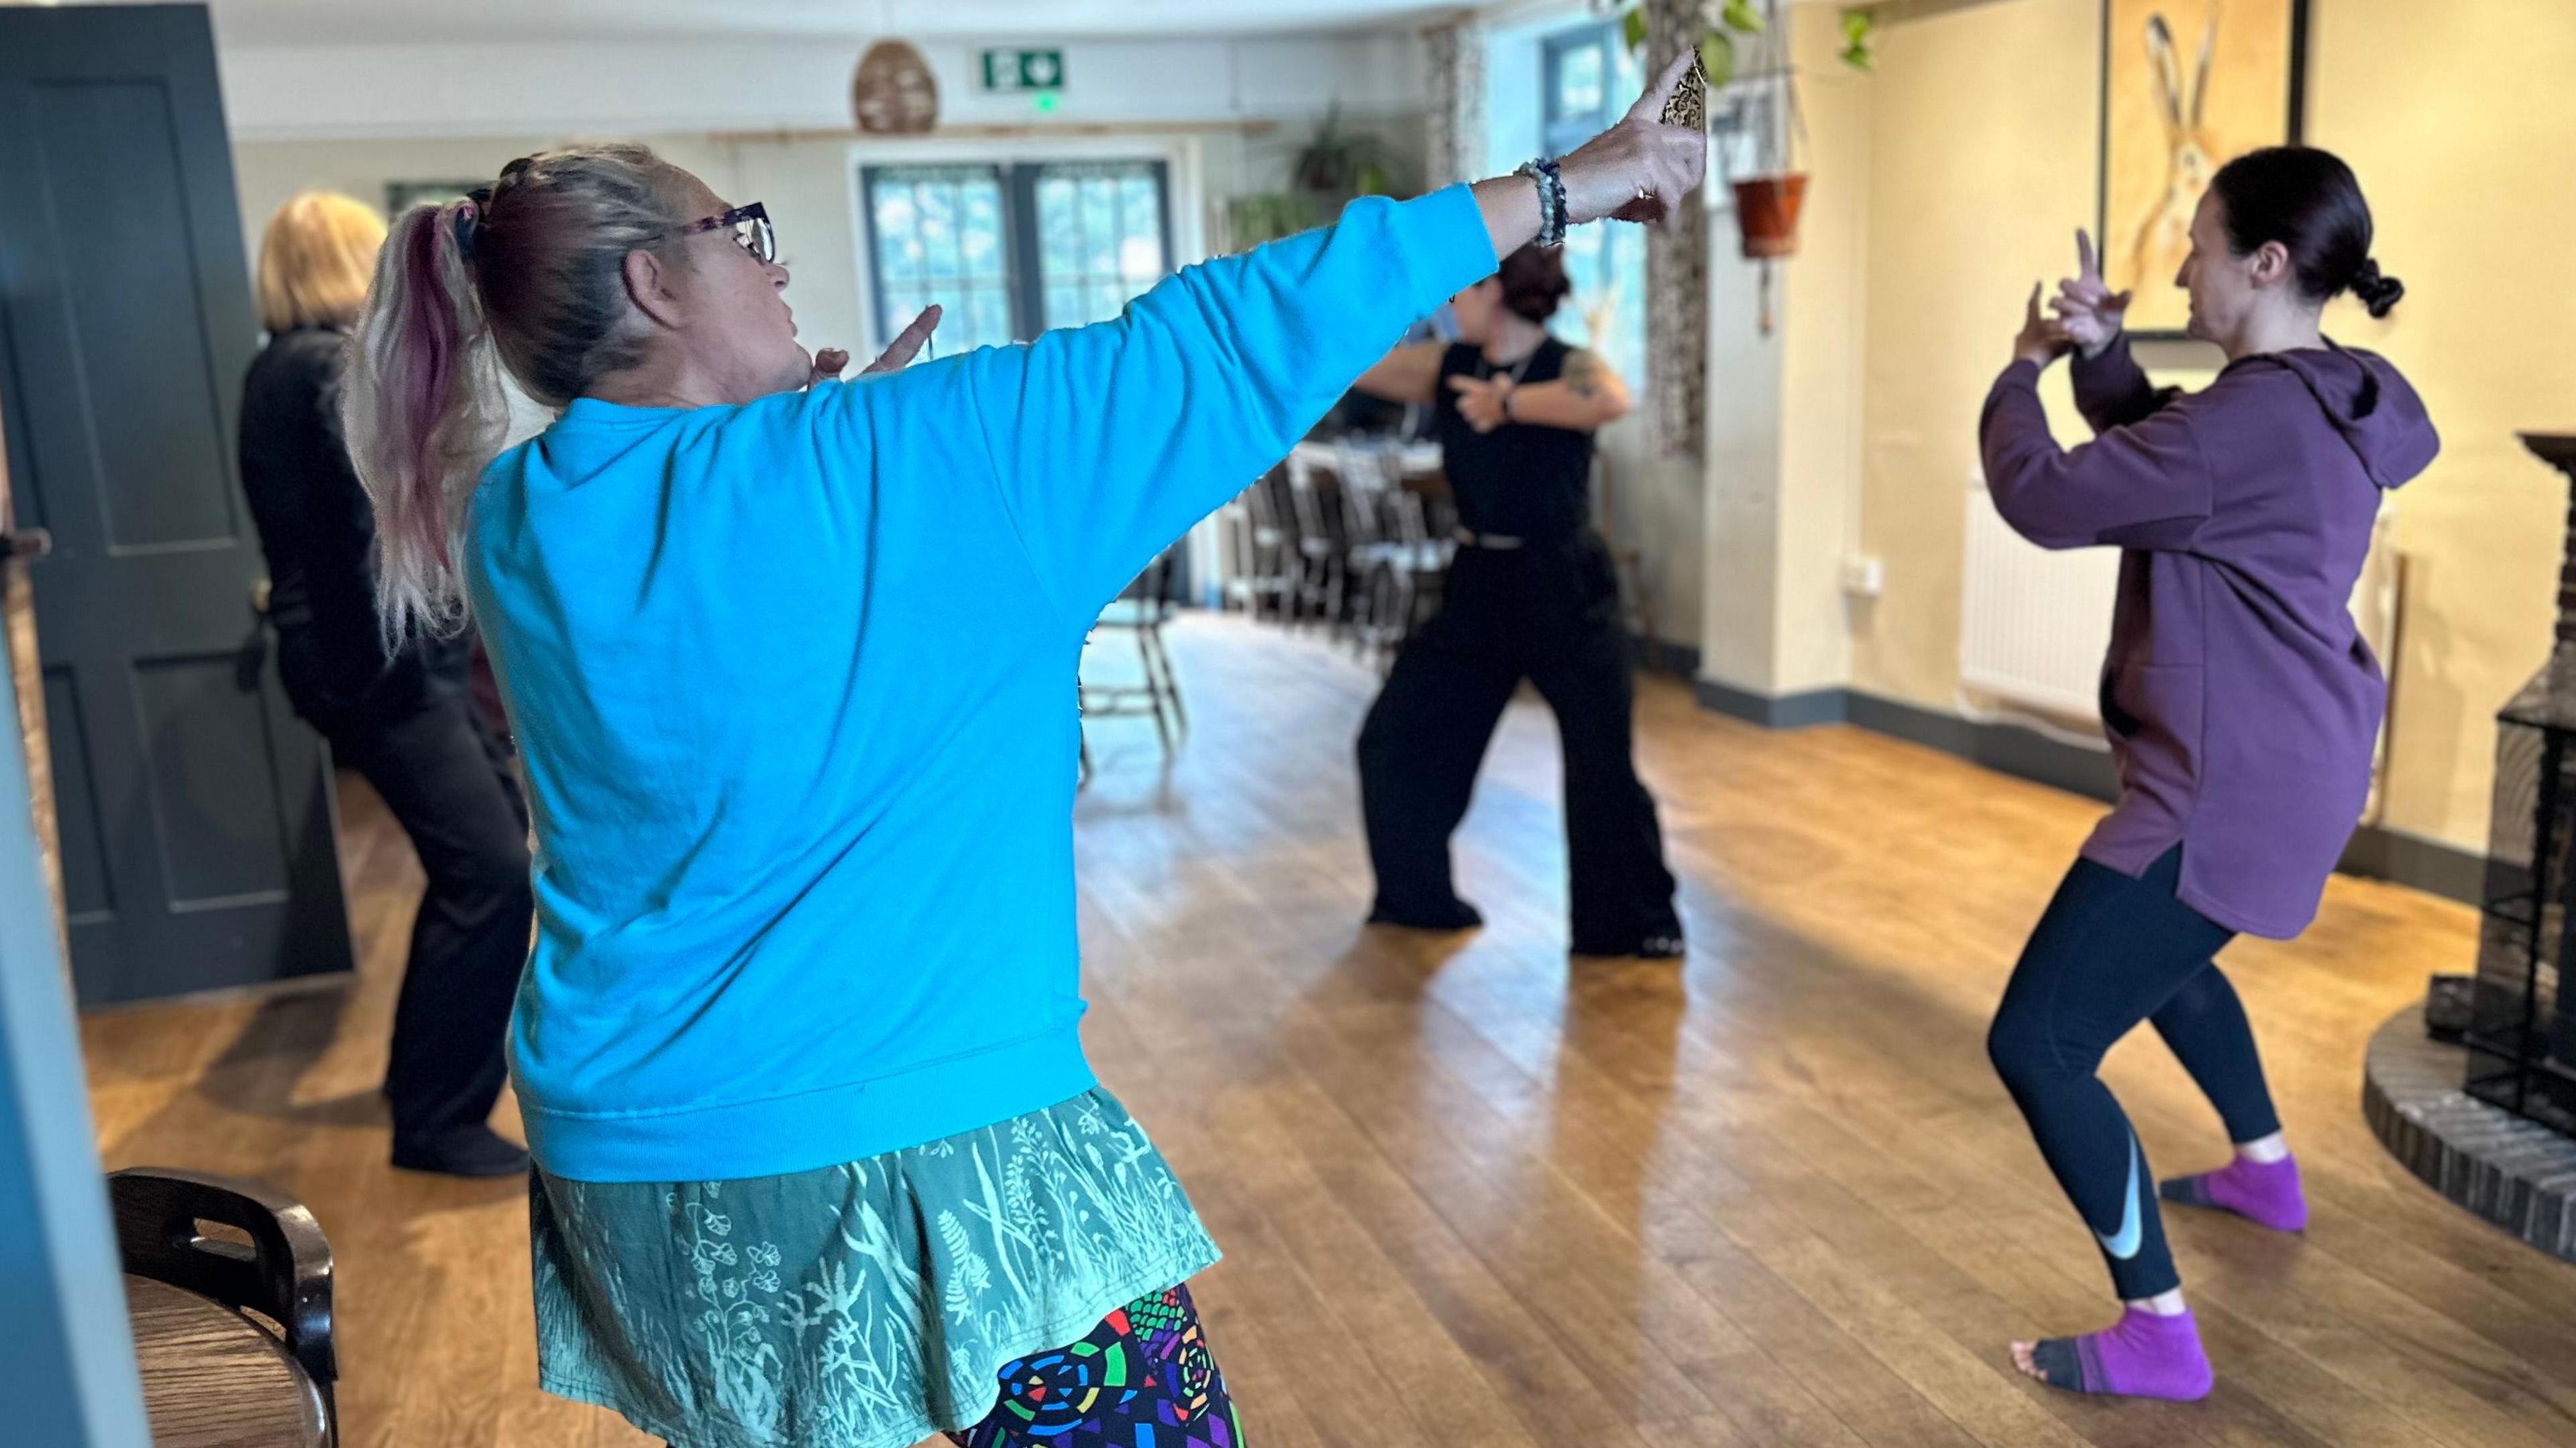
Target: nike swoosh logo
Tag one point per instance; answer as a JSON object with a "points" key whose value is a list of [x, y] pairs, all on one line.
{"points": [[2123, 1244]]}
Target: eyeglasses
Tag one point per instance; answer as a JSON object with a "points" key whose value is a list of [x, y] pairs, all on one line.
{"points": [[750, 227]]}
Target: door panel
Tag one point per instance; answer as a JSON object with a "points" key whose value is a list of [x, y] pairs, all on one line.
{"points": [[197, 834]]}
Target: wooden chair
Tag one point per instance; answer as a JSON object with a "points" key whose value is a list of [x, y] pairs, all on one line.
{"points": [[1259, 579], [1418, 572], [1397, 563], [1322, 546], [1142, 609], [211, 1373]]}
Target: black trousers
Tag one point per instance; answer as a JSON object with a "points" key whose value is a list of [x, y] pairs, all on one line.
{"points": [[448, 779], [1549, 615], [2109, 953]]}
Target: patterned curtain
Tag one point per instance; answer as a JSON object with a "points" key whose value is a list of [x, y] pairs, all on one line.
{"points": [[1677, 273], [1456, 102]]}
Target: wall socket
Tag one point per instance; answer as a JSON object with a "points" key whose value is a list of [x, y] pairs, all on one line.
{"points": [[1864, 577]]}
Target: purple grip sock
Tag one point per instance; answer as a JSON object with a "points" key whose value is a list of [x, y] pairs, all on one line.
{"points": [[2141, 1356], [2264, 1192]]}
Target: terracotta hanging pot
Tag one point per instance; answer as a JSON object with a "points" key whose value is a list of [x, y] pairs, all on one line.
{"points": [[1766, 211], [894, 93]]}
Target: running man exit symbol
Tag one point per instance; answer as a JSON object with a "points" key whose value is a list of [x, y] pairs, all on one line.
{"points": [[1009, 70]]}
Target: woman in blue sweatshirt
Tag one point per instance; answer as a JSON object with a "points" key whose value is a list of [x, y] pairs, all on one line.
{"points": [[820, 1160]]}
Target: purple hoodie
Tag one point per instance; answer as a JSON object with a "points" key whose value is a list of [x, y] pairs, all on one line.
{"points": [[2241, 703]]}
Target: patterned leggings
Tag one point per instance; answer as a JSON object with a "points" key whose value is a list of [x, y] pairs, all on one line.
{"points": [[1143, 1379]]}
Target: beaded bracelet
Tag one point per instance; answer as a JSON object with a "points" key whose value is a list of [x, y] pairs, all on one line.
{"points": [[1551, 201]]}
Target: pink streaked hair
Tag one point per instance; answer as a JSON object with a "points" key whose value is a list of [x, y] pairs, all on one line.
{"points": [[424, 413], [458, 300]]}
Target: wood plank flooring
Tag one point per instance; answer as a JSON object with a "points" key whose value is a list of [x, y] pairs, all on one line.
{"points": [[1473, 1193]]}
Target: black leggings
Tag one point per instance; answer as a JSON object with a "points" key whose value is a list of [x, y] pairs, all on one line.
{"points": [[2111, 952]]}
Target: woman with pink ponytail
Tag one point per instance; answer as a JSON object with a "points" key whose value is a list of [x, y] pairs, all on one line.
{"points": [[820, 1159]]}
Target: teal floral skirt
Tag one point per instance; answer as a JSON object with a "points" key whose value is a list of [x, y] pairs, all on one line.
{"points": [[867, 1305]]}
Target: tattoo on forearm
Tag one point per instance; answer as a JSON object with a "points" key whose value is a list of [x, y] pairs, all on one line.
{"points": [[1582, 374]]}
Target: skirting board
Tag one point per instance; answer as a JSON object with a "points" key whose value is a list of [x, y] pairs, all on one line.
{"points": [[1663, 656], [2375, 853]]}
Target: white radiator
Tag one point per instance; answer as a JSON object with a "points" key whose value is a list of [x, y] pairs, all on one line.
{"points": [[2033, 624]]}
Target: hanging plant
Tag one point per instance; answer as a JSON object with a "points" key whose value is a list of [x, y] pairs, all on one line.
{"points": [[1337, 165], [1766, 213], [1860, 39]]}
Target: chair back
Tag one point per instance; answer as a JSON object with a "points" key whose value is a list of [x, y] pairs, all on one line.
{"points": [[284, 1273]]}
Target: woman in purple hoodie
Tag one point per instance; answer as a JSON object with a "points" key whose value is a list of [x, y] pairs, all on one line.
{"points": [[2242, 706]]}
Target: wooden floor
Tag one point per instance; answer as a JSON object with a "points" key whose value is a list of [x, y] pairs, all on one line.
{"points": [[1474, 1194]]}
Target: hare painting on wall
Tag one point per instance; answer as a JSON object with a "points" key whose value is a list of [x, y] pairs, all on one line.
{"points": [[2188, 85]]}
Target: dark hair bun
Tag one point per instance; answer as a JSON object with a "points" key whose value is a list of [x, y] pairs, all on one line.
{"points": [[2379, 293], [1534, 282]]}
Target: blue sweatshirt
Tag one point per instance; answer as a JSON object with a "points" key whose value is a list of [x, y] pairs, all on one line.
{"points": [[795, 686]]}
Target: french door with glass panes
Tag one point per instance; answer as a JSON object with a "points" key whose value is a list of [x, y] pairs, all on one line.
{"points": [[1011, 250]]}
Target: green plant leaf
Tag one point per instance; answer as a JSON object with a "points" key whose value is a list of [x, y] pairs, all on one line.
{"points": [[1717, 57], [1740, 15], [1632, 27], [1268, 216], [1860, 39]]}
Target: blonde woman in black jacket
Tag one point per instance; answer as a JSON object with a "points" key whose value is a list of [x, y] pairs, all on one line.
{"points": [[404, 718]]}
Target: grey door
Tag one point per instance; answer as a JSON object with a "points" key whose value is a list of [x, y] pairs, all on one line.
{"points": [[197, 841]]}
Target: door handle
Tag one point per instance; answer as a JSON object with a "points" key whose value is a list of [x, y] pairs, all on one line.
{"points": [[26, 543]]}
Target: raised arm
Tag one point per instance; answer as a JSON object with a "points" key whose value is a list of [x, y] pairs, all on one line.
{"points": [[1586, 398], [1407, 374], [2146, 485], [2112, 390], [1109, 441]]}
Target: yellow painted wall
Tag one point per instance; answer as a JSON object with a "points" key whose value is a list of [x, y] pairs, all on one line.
{"points": [[1825, 295], [1981, 165], [2461, 123], [1782, 460]]}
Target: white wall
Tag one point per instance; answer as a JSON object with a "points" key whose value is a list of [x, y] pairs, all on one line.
{"points": [[808, 185], [674, 87]]}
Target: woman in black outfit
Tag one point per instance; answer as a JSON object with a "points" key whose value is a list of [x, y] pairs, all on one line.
{"points": [[405, 720], [1531, 595]]}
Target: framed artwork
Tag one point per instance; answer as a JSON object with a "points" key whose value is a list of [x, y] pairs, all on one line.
{"points": [[2187, 86], [401, 196]]}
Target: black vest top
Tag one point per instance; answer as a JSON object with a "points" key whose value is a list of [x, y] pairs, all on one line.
{"points": [[1518, 481]]}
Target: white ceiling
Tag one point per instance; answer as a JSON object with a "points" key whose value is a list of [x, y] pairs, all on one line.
{"points": [[383, 22]]}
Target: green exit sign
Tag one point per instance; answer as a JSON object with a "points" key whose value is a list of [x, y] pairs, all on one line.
{"points": [[1023, 70]]}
